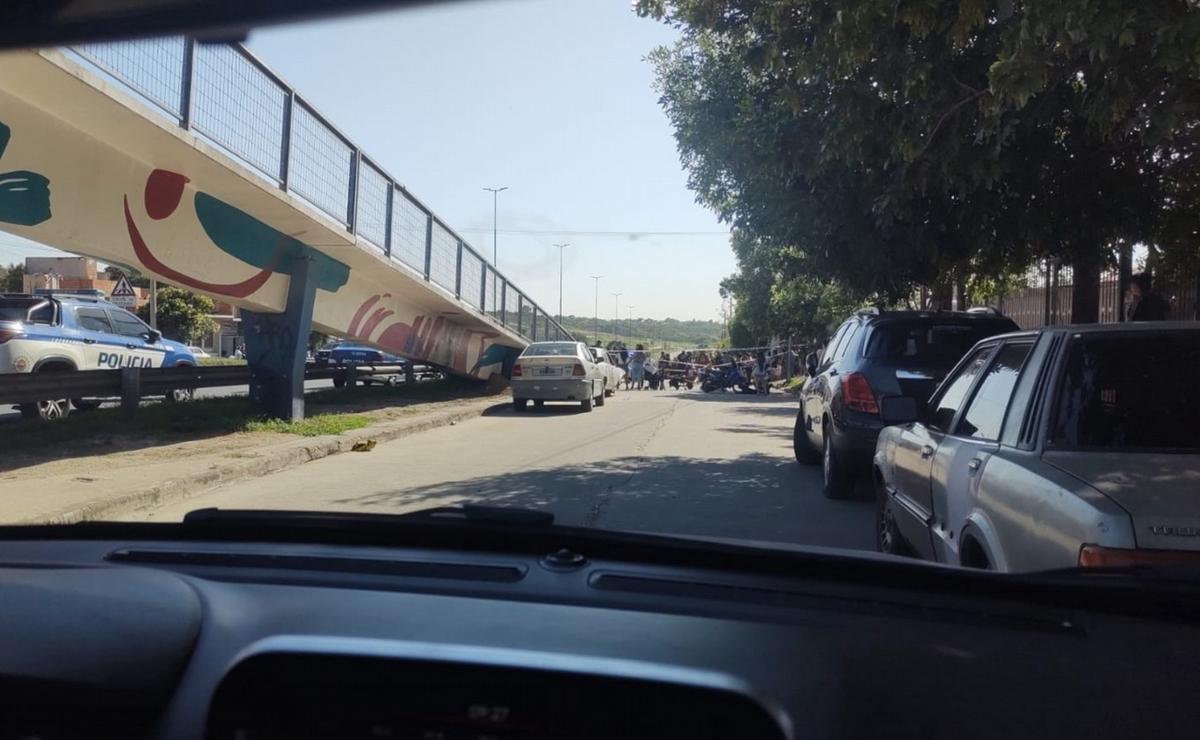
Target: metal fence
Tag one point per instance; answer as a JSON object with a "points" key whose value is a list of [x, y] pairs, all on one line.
{"points": [[224, 94]]}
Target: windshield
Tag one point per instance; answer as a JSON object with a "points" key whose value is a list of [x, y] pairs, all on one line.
{"points": [[1130, 393], [551, 349], [853, 273]]}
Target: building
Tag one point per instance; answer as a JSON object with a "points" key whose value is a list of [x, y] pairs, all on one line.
{"points": [[71, 275]]}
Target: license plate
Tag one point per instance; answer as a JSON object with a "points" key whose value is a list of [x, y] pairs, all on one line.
{"points": [[546, 370]]}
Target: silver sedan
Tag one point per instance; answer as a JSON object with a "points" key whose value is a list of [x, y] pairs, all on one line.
{"points": [[558, 371]]}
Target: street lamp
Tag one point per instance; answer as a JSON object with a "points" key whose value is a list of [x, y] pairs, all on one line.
{"points": [[596, 308], [561, 248], [616, 316], [495, 260]]}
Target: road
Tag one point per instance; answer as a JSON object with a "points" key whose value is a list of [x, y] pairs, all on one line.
{"points": [[673, 462]]}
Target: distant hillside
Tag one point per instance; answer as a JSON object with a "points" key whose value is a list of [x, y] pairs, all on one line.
{"points": [[673, 332]]}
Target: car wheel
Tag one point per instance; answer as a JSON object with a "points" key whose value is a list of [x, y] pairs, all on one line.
{"points": [[586, 404], [801, 447], [338, 381], [603, 394], [887, 534], [836, 481], [519, 405], [86, 404], [47, 410], [180, 395], [538, 404]]}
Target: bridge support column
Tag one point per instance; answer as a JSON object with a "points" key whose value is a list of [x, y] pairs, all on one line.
{"points": [[276, 346]]}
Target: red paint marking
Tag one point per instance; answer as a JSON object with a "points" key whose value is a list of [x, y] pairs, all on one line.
{"points": [[395, 337], [374, 321], [235, 290], [164, 190], [352, 330]]}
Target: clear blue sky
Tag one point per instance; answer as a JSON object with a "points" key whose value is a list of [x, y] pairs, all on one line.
{"points": [[553, 98]]}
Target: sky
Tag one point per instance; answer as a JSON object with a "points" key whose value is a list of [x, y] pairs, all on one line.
{"points": [[553, 99]]}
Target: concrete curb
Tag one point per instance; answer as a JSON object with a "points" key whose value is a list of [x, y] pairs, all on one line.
{"points": [[177, 489]]}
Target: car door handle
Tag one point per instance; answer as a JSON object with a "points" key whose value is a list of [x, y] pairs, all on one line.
{"points": [[974, 465], [89, 341], [131, 346], [926, 452]]}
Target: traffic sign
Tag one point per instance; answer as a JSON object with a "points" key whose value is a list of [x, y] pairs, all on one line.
{"points": [[123, 294]]}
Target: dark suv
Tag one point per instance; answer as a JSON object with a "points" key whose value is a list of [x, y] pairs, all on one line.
{"points": [[875, 354]]}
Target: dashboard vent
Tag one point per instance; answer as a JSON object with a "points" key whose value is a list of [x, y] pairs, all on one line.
{"points": [[319, 563]]}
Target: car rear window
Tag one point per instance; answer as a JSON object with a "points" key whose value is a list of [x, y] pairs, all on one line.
{"points": [[1130, 391], [27, 310], [550, 349], [930, 339]]}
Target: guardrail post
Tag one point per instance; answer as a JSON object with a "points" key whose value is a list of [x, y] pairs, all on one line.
{"points": [[185, 83], [410, 375], [428, 245], [276, 346], [131, 390]]}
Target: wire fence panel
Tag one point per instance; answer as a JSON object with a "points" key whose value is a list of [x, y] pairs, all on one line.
{"points": [[371, 202], [239, 106], [511, 299], [472, 274], [544, 328], [526, 319], [408, 231], [152, 67], [319, 168], [445, 258]]}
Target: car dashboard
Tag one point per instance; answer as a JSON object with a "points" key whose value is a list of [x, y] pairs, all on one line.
{"points": [[138, 636]]}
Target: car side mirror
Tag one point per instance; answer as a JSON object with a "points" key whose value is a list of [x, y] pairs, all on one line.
{"points": [[899, 410], [810, 363], [152, 336]]}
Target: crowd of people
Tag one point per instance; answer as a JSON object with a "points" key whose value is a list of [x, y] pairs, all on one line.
{"points": [[645, 371]]}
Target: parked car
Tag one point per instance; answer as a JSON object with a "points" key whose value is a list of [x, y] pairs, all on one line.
{"points": [[1064, 447], [558, 371], [65, 333], [198, 352], [613, 375], [874, 354]]}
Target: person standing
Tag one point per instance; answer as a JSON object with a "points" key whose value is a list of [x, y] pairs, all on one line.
{"points": [[1143, 303], [637, 367]]}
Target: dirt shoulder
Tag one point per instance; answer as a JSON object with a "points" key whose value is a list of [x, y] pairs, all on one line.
{"points": [[95, 465]]}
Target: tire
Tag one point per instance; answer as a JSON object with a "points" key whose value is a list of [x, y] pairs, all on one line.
{"points": [[836, 480], [47, 410], [586, 404], [801, 447], [887, 535], [86, 404], [603, 394], [339, 381], [539, 404], [180, 395], [519, 405]]}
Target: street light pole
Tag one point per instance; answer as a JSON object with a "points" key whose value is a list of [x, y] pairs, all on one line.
{"points": [[616, 315], [561, 248], [495, 236], [596, 308]]}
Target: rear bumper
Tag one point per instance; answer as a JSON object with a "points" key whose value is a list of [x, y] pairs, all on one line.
{"points": [[855, 443], [552, 389]]}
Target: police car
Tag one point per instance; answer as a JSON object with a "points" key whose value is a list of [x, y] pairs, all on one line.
{"points": [[57, 333]]}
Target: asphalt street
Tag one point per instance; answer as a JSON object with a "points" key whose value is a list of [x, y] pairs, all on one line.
{"points": [[717, 465]]}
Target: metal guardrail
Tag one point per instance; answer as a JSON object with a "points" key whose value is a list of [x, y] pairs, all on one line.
{"points": [[132, 383], [226, 95]]}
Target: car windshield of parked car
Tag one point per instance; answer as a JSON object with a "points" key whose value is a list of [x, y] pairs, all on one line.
{"points": [[927, 340], [1130, 392], [551, 349]]}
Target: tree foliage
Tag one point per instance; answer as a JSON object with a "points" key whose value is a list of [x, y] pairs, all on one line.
{"points": [[887, 143], [182, 315], [12, 278]]}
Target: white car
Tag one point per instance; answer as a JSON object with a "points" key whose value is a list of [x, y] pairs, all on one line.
{"points": [[558, 371], [613, 374], [199, 352]]}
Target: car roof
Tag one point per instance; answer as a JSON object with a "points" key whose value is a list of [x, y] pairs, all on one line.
{"points": [[874, 316], [1113, 328]]}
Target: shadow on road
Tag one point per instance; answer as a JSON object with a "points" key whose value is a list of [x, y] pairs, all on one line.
{"points": [[754, 496]]}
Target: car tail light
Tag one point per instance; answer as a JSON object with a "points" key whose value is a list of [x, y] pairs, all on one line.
{"points": [[517, 371], [578, 370], [857, 394], [7, 334], [1095, 556]]}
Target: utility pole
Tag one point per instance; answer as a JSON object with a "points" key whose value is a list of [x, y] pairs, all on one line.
{"points": [[153, 303], [561, 248], [616, 316], [596, 309], [495, 236]]}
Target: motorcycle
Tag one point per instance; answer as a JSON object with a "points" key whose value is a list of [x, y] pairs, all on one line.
{"points": [[725, 378]]}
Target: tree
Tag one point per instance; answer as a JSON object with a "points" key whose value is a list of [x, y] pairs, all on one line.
{"points": [[182, 315], [887, 145], [12, 279]]}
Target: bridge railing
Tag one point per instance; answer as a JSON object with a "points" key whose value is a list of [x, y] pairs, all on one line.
{"points": [[224, 94]]}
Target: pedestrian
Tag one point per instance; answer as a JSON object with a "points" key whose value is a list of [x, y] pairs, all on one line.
{"points": [[1143, 304], [637, 367]]}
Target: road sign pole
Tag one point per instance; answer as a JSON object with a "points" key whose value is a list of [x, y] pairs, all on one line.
{"points": [[154, 304]]}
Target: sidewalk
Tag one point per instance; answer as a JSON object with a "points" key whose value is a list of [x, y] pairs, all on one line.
{"points": [[101, 484]]}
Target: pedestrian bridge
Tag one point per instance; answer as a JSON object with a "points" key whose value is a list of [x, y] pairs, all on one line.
{"points": [[197, 165]]}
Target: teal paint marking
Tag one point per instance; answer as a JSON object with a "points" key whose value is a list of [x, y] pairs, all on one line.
{"points": [[250, 240], [24, 195]]}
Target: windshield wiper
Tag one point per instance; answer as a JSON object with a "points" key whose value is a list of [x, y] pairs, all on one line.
{"points": [[465, 513]]}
